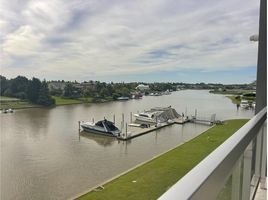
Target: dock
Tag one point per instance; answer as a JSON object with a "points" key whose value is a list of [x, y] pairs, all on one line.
{"points": [[134, 130]]}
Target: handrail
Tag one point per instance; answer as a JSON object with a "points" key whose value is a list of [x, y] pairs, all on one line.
{"points": [[206, 180]]}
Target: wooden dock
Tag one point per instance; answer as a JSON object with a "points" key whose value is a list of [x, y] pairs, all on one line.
{"points": [[134, 130]]}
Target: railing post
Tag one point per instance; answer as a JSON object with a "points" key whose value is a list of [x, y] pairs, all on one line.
{"points": [[264, 156], [247, 160], [236, 180], [261, 82], [258, 153]]}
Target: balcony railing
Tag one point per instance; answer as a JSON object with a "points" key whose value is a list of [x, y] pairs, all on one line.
{"points": [[235, 168], [231, 170]]}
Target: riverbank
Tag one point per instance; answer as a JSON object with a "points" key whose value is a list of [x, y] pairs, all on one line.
{"points": [[152, 179], [59, 101], [234, 100]]}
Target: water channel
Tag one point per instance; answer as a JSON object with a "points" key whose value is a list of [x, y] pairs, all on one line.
{"points": [[44, 157]]}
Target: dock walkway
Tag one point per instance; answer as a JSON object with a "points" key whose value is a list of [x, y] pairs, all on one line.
{"points": [[135, 131]]}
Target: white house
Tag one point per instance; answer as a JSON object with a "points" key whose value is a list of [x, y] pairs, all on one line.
{"points": [[142, 87]]}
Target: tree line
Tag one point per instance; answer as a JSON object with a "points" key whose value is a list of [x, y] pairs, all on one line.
{"points": [[33, 90]]}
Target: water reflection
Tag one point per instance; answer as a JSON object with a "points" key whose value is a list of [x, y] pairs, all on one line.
{"points": [[99, 139]]}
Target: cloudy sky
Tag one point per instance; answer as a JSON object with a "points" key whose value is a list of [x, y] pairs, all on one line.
{"points": [[129, 40]]}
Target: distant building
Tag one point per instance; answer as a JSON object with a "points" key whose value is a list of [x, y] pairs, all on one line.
{"points": [[56, 85], [142, 87], [85, 85]]}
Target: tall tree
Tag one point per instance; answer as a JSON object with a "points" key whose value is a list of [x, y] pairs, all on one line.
{"points": [[4, 84], [44, 97], [33, 90], [18, 86], [69, 90]]}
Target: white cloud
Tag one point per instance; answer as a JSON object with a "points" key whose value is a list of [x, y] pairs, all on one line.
{"points": [[61, 39]]}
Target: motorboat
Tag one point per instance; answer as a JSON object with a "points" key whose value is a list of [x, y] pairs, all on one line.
{"points": [[7, 110], [150, 117], [123, 98], [103, 127], [244, 104], [136, 96]]}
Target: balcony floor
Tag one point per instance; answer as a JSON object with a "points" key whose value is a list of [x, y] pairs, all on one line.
{"points": [[261, 193]]}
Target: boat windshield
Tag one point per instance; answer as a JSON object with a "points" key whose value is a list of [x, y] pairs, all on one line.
{"points": [[143, 115], [99, 124], [109, 125]]}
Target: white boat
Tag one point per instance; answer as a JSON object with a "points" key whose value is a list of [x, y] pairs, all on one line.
{"points": [[103, 127], [123, 98], [147, 116], [7, 110], [244, 104]]}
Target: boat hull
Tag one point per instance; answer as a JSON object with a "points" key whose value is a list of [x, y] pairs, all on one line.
{"points": [[145, 119], [100, 132]]}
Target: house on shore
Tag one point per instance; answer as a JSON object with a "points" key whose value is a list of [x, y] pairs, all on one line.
{"points": [[142, 87]]}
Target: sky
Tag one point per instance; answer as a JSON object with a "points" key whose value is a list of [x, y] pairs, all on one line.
{"points": [[131, 40]]}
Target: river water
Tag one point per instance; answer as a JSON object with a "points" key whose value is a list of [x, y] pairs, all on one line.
{"points": [[44, 157]]}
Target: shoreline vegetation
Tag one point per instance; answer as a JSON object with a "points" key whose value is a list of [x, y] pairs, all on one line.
{"points": [[22, 92], [152, 179], [236, 95]]}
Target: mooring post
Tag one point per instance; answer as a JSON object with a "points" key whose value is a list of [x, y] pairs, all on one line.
{"points": [[114, 118], [126, 129], [104, 118], [79, 125], [123, 117], [93, 120], [195, 114], [130, 117]]}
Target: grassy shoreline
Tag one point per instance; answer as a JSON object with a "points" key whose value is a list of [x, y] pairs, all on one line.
{"points": [[59, 101], [152, 179], [234, 100]]}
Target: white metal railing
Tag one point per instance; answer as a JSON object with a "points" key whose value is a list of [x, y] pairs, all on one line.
{"points": [[207, 179]]}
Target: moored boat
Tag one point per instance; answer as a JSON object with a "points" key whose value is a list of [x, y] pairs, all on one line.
{"points": [[123, 98], [103, 127], [147, 116], [244, 104]]}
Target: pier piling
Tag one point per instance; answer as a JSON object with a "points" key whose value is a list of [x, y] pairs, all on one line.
{"points": [[130, 117], [126, 129], [114, 119]]}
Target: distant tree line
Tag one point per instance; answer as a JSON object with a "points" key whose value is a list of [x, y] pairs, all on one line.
{"points": [[99, 91], [38, 92], [32, 90]]}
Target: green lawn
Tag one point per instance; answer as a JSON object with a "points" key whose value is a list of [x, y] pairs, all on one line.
{"points": [[232, 92], [234, 100], [155, 177], [238, 101], [65, 101], [17, 105]]}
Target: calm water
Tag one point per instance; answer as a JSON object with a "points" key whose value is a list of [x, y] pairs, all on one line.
{"points": [[44, 157]]}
